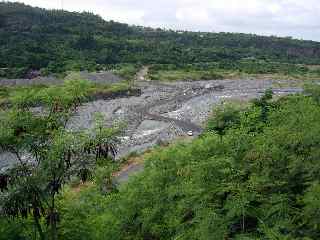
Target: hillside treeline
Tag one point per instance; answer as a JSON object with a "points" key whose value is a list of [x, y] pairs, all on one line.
{"points": [[55, 41]]}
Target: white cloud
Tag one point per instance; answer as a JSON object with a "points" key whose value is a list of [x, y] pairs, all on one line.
{"points": [[193, 15], [277, 17]]}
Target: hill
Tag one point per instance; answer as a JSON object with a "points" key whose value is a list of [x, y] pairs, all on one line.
{"points": [[55, 41]]}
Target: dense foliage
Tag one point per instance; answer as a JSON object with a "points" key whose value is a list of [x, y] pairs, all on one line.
{"points": [[56, 41], [47, 153], [258, 180], [261, 181]]}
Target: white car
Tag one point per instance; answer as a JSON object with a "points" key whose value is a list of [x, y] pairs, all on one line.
{"points": [[190, 133]]}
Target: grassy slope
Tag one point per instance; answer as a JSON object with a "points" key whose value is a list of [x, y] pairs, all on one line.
{"points": [[245, 70]]}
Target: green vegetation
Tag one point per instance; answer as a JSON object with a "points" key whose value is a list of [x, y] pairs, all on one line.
{"points": [[6, 91], [108, 90], [225, 117], [127, 71], [253, 175], [183, 74], [94, 90], [57, 41], [47, 154], [233, 69]]}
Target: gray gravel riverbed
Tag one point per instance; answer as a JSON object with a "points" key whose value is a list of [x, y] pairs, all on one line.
{"points": [[165, 111]]}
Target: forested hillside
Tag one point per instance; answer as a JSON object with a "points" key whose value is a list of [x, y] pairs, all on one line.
{"points": [[55, 41]]}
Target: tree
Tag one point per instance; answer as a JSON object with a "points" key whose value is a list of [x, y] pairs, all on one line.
{"points": [[47, 152], [224, 118], [314, 91], [264, 104]]}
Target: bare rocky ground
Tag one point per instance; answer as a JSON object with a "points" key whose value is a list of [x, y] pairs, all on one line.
{"points": [[165, 111]]}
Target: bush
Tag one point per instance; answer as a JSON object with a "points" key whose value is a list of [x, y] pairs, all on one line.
{"points": [[261, 181]]}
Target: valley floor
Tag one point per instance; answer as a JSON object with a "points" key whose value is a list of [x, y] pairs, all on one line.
{"points": [[166, 111]]}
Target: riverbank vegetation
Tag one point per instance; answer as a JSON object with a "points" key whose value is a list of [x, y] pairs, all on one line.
{"points": [[94, 90], [254, 174], [243, 69], [47, 154]]}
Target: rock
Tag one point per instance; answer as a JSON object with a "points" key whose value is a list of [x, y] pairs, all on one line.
{"points": [[207, 86]]}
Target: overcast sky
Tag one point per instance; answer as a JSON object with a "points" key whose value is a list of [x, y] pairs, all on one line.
{"points": [[297, 18]]}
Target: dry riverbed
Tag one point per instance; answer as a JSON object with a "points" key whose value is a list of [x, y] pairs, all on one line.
{"points": [[166, 111]]}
